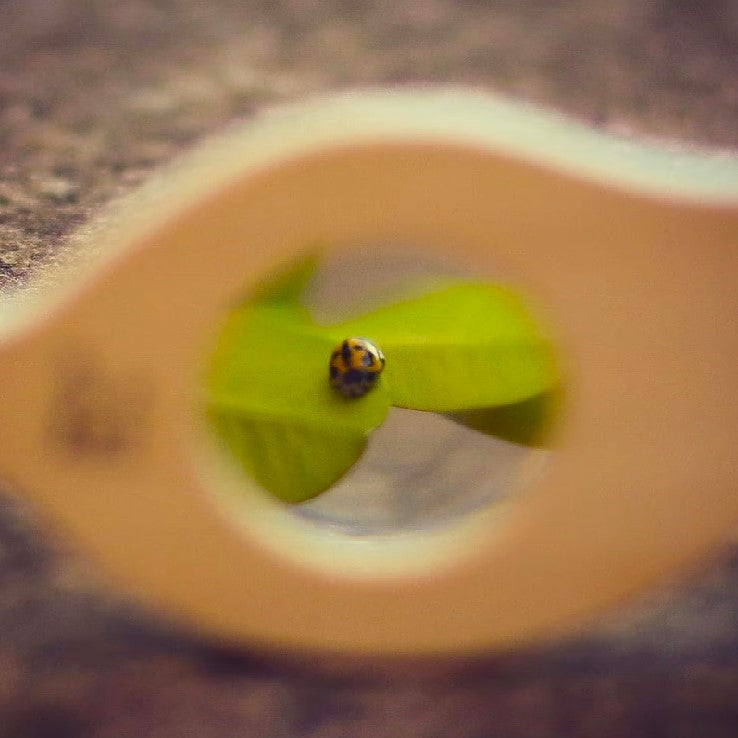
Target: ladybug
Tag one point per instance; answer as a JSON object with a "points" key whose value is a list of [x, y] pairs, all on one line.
{"points": [[355, 365]]}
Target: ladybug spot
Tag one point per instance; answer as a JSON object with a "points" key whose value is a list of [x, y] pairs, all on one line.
{"points": [[354, 376]]}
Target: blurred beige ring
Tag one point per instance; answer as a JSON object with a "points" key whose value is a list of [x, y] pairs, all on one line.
{"points": [[632, 250]]}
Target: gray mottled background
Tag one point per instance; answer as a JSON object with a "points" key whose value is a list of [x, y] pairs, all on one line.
{"points": [[93, 97]]}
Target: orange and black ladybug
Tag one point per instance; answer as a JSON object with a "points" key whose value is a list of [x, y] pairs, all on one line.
{"points": [[355, 366]]}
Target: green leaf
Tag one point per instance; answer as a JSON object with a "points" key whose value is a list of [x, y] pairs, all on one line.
{"points": [[468, 349], [268, 396], [294, 462], [527, 423], [465, 346], [287, 287]]}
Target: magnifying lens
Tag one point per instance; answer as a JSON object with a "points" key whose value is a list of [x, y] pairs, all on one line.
{"points": [[632, 250]]}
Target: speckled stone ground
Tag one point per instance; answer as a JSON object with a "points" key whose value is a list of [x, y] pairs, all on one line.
{"points": [[96, 95]]}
